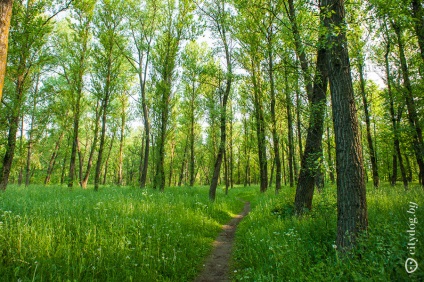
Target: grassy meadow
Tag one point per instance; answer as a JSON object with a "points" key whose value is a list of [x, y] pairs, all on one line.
{"points": [[128, 234], [272, 245], [116, 234]]}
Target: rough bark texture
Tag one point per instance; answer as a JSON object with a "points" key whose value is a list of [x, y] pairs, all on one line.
{"points": [[313, 147], [5, 16], [352, 216]]}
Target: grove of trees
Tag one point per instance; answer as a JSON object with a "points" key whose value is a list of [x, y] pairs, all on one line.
{"points": [[165, 93]]}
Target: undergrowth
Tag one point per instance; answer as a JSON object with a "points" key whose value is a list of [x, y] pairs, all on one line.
{"points": [[274, 245], [116, 234]]}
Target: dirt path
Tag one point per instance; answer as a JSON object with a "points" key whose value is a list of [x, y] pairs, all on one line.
{"points": [[216, 267]]}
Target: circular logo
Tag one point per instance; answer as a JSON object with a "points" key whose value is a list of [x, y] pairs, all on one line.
{"points": [[411, 265]]}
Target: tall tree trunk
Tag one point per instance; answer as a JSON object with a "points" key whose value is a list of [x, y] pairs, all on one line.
{"points": [[13, 126], [260, 127], [290, 131], [183, 164], [108, 157], [31, 134], [299, 49], [223, 114], [145, 162], [65, 159], [104, 108], [275, 137], [396, 144], [374, 167], [417, 136], [352, 215], [191, 166], [171, 163], [21, 150], [121, 149], [53, 159], [93, 147], [313, 148], [5, 16]]}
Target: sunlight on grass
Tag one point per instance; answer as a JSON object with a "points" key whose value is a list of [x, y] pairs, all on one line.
{"points": [[274, 245], [117, 234]]}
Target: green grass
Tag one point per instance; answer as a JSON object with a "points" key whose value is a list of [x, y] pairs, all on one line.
{"points": [[128, 234], [273, 245], [116, 234]]}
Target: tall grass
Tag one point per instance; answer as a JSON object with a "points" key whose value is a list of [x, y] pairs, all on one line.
{"points": [[274, 245], [116, 234]]}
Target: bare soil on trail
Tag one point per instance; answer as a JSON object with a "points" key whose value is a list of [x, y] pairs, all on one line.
{"points": [[216, 267]]}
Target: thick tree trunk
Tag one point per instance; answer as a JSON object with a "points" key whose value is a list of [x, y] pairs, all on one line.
{"points": [[5, 16], [313, 148], [374, 167], [417, 136], [352, 216]]}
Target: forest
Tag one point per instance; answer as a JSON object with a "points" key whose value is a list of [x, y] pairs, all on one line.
{"points": [[132, 130]]}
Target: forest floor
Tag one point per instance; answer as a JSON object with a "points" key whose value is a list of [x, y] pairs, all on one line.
{"points": [[217, 265]]}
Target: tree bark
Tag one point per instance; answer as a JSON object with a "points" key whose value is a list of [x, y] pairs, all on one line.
{"points": [[313, 148], [352, 216], [5, 16]]}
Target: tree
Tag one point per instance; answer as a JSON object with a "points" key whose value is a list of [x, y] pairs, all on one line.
{"points": [[352, 216], [219, 17], [74, 51], [29, 34], [178, 20], [313, 149], [142, 25], [5, 16], [110, 69]]}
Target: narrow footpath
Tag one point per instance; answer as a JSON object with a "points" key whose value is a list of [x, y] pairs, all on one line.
{"points": [[216, 267]]}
